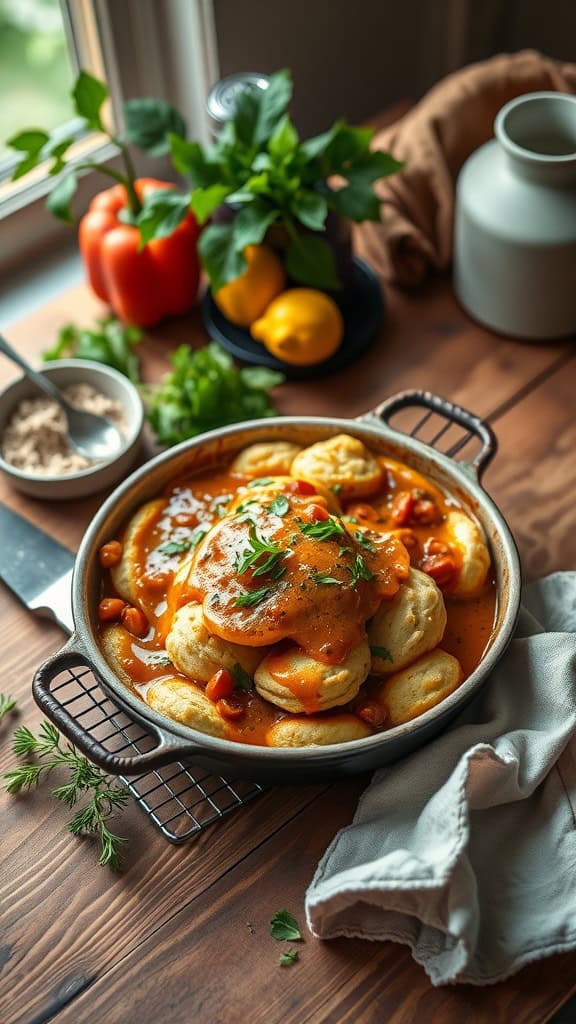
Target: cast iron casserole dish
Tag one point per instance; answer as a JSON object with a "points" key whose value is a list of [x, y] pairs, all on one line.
{"points": [[267, 764]]}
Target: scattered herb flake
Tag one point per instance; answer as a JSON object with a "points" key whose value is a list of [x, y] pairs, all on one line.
{"points": [[215, 599], [284, 927], [363, 541], [257, 547], [381, 652], [280, 506], [251, 597], [177, 547], [337, 488], [359, 571], [319, 578], [7, 704], [350, 519], [242, 680], [250, 927], [324, 530], [289, 958], [262, 481], [244, 504]]}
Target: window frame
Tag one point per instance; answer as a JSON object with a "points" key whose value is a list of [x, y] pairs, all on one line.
{"points": [[141, 50]]}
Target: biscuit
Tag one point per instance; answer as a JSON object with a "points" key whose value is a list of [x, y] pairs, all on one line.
{"points": [[198, 654], [407, 626], [125, 574], [342, 462], [186, 703], [316, 731], [467, 537], [421, 686], [298, 683], [271, 458]]}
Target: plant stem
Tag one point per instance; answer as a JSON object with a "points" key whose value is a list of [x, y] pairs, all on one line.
{"points": [[133, 201]]}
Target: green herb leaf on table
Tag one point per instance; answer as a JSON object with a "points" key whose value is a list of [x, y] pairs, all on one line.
{"points": [[106, 798], [89, 95], [204, 391], [110, 342], [7, 704], [284, 927], [149, 124], [288, 958], [381, 652]]}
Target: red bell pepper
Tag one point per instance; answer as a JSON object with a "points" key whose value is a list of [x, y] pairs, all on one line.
{"points": [[142, 286]]}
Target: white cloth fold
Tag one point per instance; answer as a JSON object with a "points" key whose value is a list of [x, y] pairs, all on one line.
{"points": [[466, 849]]}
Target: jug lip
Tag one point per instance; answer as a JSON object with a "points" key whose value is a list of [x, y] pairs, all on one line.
{"points": [[515, 115]]}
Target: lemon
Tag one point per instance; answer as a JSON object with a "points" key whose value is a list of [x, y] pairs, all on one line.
{"points": [[243, 300], [302, 326]]}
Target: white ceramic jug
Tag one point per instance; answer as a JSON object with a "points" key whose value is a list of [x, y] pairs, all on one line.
{"points": [[515, 221]]}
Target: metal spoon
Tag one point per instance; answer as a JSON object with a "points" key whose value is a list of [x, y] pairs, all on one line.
{"points": [[92, 436]]}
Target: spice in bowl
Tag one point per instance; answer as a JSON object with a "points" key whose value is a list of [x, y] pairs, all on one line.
{"points": [[35, 439]]}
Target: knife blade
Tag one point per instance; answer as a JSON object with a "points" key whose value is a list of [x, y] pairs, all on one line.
{"points": [[36, 568]]}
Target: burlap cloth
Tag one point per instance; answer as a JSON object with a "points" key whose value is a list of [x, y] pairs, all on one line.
{"points": [[434, 139]]}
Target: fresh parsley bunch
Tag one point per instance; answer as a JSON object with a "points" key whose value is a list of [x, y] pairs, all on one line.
{"points": [[259, 166], [204, 391], [110, 342]]}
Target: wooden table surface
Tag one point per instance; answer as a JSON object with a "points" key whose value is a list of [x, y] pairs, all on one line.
{"points": [[167, 940]]}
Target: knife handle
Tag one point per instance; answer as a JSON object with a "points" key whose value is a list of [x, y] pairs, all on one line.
{"points": [[70, 658]]}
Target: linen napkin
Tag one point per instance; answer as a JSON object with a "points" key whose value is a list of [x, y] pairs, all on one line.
{"points": [[466, 849], [434, 139]]}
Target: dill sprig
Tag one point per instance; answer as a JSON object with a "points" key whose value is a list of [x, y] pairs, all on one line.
{"points": [[106, 798], [7, 704]]}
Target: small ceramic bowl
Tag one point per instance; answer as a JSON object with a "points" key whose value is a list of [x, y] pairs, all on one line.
{"points": [[101, 475]]}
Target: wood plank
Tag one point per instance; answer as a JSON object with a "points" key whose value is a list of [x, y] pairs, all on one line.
{"points": [[533, 479], [345, 981]]}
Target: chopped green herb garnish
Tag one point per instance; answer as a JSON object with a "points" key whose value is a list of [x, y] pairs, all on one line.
{"points": [[343, 551], [258, 546], [324, 530], [350, 519], [337, 488], [251, 597], [244, 504], [360, 571], [176, 547], [289, 958], [280, 506], [215, 599], [261, 481], [381, 652], [284, 927], [319, 578], [363, 541], [242, 680]]}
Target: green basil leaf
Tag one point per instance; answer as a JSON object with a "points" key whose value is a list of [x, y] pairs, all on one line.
{"points": [[59, 200], [311, 209], [317, 146], [251, 224], [374, 165], [205, 200], [190, 160], [310, 261], [149, 124], [163, 211], [30, 141], [289, 958], [259, 110], [284, 927], [219, 255], [284, 139], [89, 95], [57, 152], [357, 202], [27, 164]]}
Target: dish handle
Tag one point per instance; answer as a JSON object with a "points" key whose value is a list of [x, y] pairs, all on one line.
{"points": [[454, 414], [72, 657]]}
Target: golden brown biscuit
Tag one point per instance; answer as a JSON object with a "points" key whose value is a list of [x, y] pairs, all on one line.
{"points": [[198, 654], [412, 623], [114, 641], [419, 687], [316, 732], [271, 458], [342, 462], [298, 683], [125, 574], [186, 703], [467, 537]]}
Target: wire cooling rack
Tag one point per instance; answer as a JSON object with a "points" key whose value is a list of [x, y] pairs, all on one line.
{"points": [[179, 799]]}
